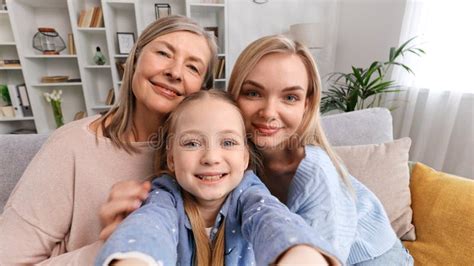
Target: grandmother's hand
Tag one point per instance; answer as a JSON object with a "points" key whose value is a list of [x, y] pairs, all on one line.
{"points": [[125, 197]]}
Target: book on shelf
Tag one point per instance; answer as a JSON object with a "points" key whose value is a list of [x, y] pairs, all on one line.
{"points": [[97, 20], [15, 99], [91, 18], [71, 47], [24, 100], [20, 100], [110, 97], [10, 63], [82, 16], [219, 68]]}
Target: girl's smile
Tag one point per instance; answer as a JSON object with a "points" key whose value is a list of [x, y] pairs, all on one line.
{"points": [[208, 153]]}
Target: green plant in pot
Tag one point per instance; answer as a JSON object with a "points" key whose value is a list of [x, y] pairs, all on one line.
{"points": [[6, 108], [364, 87]]}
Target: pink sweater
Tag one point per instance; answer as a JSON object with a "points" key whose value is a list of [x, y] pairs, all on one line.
{"points": [[52, 214]]}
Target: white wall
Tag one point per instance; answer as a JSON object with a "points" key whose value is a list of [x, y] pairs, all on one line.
{"points": [[249, 21], [367, 30], [357, 31]]}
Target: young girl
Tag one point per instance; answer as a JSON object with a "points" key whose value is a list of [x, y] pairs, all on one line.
{"points": [[276, 85], [204, 210], [51, 216]]}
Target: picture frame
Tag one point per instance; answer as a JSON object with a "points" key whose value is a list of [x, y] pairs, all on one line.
{"points": [[212, 30], [162, 10], [125, 41]]}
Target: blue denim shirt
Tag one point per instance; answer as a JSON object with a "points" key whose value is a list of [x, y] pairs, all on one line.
{"points": [[258, 227]]}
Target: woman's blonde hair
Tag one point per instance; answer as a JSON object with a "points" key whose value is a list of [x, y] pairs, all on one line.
{"points": [[207, 254], [121, 114], [310, 130]]}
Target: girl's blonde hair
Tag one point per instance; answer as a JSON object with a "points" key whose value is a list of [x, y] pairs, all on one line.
{"points": [[121, 114], [206, 254], [310, 130]]}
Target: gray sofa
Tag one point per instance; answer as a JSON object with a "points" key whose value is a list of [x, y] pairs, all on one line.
{"points": [[355, 128]]}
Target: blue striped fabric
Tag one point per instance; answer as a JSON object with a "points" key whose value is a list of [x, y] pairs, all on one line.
{"points": [[358, 229]]}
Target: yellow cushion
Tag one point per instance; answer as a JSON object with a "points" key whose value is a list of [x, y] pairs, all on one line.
{"points": [[443, 215]]}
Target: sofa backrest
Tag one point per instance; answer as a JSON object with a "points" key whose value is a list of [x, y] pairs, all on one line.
{"points": [[16, 151], [355, 128]]}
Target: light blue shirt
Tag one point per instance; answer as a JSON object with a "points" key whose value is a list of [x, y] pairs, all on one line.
{"points": [[258, 227], [358, 229]]}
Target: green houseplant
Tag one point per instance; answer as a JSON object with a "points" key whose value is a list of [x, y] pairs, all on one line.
{"points": [[6, 108], [4, 95], [364, 87]]}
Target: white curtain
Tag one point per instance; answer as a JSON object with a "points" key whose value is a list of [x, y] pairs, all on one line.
{"points": [[436, 110]]}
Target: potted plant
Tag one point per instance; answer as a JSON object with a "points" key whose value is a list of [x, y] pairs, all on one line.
{"points": [[364, 87], [6, 108]]}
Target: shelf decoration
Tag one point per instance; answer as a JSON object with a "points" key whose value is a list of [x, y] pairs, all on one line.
{"points": [[48, 41], [99, 57], [55, 99], [162, 10], [6, 108], [54, 79], [125, 41]]}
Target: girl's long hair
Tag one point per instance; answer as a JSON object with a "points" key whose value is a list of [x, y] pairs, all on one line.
{"points": [[207, 253], [310, 130], [121, 114]]}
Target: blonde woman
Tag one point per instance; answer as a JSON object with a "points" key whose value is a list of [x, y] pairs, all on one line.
{"points": [[277, 87], [205, 208], [52, 214]]}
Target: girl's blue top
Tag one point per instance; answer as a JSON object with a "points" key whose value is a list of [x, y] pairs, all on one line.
{"points": [[258, 228]]}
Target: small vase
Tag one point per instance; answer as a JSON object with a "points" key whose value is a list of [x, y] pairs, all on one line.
{"points": [[99, 58], [58, 113]]}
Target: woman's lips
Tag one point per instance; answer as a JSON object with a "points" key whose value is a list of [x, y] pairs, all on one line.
{"points": [[266, 130], [165, 91]]}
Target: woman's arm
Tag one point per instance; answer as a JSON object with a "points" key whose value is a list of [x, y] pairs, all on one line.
{"points": [[266, 220], [320, 197]]}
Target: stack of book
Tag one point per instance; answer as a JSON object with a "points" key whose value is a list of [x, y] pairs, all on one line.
{"points": [[10, 63], [91, 18]]}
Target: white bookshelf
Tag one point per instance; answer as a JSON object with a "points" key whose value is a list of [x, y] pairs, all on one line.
{"points": [[11, 74], [90, 93]]}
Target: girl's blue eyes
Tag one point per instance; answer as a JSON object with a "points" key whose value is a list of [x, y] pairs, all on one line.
{"points": [[229, 143], [225, 143], [192, 144]]}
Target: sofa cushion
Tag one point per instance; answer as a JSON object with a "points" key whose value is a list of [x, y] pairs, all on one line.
{"points": [[16, 153], [367, 126], [443, 207], [383, 168]]}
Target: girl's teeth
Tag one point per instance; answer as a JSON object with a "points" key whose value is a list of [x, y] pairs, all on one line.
{"points": [[211, 177]]}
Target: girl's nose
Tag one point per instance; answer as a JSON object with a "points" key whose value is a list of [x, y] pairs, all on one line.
{"points": [[211, 156]]}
